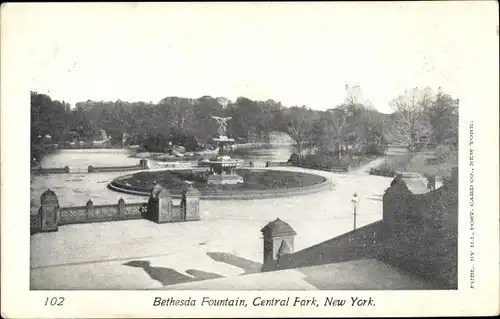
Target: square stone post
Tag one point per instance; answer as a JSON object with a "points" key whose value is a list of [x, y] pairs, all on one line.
{"points": [[49, 211], [278, 239], [163, 213], [191, 203], [143, 163], [121, 209]]}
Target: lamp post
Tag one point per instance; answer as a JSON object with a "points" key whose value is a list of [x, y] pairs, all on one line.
{"points": [[355, 201]]}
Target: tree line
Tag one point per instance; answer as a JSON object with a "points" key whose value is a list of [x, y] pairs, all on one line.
{"points": [[420, 117]]}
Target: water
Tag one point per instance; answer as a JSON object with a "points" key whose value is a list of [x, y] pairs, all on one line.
{"points": [[83, 158]]}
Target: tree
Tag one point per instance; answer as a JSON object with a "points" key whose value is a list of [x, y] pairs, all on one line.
{"points": [[355, 97], [341, 122], [410, 125], [324, 133], [180, 115], [300, 124], [50, 121], [443, 117]]}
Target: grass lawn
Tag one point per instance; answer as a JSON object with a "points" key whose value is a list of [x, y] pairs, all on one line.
{"points": [[418, 164], [253, 180]]}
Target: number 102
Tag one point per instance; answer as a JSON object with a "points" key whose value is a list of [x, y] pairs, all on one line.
{"points": [[54, 301]]}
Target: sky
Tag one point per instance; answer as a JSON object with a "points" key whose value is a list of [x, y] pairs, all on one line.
{"points": [[296, 53]]}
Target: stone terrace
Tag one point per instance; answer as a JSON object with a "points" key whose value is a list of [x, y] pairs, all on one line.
{"points": [[139, 254]]}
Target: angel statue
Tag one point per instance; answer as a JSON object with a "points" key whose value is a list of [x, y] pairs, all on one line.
{"points": [[222, 121]]}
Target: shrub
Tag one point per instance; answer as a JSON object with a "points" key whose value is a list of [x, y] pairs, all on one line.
{"points": [[323, 161], [445, 153], [373, 150], [383, 170]]}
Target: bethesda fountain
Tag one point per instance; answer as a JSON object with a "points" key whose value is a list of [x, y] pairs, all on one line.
{"points": [[224, 180], [222, 166]]}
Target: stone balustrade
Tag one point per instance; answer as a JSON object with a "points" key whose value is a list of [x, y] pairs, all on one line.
{"points": [[160, 209], [143, 164]]}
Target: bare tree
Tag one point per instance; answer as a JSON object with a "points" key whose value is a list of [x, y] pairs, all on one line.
{"points": [[356, 98], [410, 125], [300, 125]]}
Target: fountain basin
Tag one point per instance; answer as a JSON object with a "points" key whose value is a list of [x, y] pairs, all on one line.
{"points": [[257, 183]]}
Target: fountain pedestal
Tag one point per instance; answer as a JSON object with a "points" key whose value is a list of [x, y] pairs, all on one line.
{"points": [[223, 167]]}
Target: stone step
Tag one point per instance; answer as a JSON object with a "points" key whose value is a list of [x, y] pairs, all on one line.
{"points": [[376, 197]]}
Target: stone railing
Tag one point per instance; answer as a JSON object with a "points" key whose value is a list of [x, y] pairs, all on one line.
{"points": [[101, 213], [143, 164], [418, 233], [53, 170], [272, 163], [160, 208]]}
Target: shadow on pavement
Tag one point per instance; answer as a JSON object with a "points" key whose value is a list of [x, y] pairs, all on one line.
{"points": [[249, 266], [169, 276], [363, 274], [203, 275]]}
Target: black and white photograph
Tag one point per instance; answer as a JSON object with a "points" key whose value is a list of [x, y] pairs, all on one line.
{"points": [[225, 147]]}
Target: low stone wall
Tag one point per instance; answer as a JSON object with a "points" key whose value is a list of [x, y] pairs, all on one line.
{"points": [[143, 164], [382, 172], [271, 163], [364, 242], [54, 170], [35, 223]]}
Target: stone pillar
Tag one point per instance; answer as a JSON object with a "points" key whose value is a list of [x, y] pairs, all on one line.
{"points": [[152, 203], [89, 209], [143, 163], [163, 213], [121, 209], [278, 239], [49, 211], [191, 203]]}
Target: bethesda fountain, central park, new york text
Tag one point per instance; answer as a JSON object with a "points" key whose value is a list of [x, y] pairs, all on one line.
{"points": [[222, 166]]}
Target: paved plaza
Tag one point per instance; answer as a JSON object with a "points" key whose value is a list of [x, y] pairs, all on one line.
{"points": [[227, 242]]}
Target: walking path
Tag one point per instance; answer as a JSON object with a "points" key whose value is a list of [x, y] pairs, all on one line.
{"points": [[227, 242]]}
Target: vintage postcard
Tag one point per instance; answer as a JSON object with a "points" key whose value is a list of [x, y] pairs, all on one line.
{"points": [[291, 159]]}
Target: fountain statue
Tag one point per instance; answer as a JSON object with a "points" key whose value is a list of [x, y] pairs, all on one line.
{"points": [[222, 121], [222, 167]]}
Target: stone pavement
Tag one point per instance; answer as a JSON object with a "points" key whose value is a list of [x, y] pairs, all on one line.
{"points": [[139, 254], [368, 274]]}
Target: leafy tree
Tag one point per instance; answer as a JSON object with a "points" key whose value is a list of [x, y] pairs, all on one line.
{"points": [[443, 118]]}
